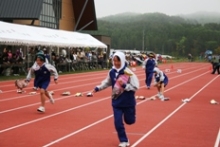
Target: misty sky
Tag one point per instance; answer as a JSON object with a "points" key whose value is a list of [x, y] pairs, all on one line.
{"points": [[169, 7]]}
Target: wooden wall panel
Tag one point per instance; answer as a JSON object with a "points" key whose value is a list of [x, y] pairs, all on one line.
{"points": [[67, 21]]}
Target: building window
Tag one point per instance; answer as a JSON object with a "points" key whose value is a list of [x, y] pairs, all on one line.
{"points": [[51, 13]]}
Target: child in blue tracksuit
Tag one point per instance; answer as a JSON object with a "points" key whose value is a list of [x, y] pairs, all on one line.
{"points": [[35, 67], [161, 81], [149, 65], [124, 84], [42, 77]]}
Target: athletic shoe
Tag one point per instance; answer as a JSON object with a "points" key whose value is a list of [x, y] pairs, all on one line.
{"points": [[158, 95], [34, 88], [124, 144], [51, 98], [165, 99], [41, 109]]}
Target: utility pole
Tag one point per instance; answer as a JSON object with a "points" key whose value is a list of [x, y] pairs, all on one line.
{"points": [[143, 42]]}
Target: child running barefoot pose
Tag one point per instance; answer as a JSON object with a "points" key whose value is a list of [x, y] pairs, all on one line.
{"points": [[161, 81], [42, 77], [124, 84]]}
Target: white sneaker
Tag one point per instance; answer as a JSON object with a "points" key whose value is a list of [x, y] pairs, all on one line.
{"points": [[124, 144], [34, 88], [165, 99], [41, 109], [158, 95], [52, 101], [19, 91]]}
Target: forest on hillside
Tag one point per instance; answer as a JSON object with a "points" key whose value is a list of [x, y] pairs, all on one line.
{"points": [[160, 33]]}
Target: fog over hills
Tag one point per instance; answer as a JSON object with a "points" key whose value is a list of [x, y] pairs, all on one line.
{"points": [[201, 17]]}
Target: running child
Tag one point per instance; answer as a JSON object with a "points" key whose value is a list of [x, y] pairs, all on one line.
{"points": [[43, 80], [124, 83], [149, 65], [34, 68], [161, 81]]}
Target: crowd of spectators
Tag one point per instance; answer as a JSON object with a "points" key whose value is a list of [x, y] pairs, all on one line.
{"points": [[11, 62], [72, 59]]}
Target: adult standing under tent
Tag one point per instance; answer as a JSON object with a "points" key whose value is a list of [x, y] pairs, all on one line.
{"points": [[149, 65]]}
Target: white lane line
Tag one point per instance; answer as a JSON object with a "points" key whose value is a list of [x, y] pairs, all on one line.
{"points": [[89, 91], [55, 114], [80, 130], [36, 120], [171, 114], [93, 75], [66, 76], [217, 139], [73, 133], [88, 84]]}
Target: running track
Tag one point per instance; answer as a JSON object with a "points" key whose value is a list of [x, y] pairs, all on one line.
{"points": [[88, 122]]}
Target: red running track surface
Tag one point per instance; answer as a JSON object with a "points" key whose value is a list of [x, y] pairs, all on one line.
{"points": [[88, 122]]}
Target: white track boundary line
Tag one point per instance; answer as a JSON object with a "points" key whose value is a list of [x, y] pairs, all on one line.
{"points": [[39, 119], [217, 139], [171, 114], [36, 120], [88, 84], [1, 112], [73, 133], [77, 75], [78, 131], [139, 71]]}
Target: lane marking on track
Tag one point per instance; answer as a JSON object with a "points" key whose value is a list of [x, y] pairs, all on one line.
{"points": [[217, 139], [61, 98], [171, 114], [36, 120], [73, 133], [139, 71], [49, 116], [88, 84]]}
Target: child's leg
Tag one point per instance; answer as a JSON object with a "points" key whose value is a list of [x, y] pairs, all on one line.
{"points": [[149, 79], [47, 94], [119, 126], [161, 88], [50, 97], [130, 115], [43, 97], [159, 93], [162, 91], [146, 77]]}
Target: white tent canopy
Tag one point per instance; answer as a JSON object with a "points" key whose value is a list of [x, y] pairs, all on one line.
{"points": [[28, 35]]}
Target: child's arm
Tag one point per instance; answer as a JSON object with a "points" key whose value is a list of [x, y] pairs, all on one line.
{"points": [[52, 69], [156, 63], [104, 84], [161, 76], [133, 84], [28, 78], [144, 63]]}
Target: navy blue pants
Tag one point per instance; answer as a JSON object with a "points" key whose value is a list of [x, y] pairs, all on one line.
{"points": [[148, 79], [129, 116]]}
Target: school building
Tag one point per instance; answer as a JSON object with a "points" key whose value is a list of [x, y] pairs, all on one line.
{"points": [[70, 15]]}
